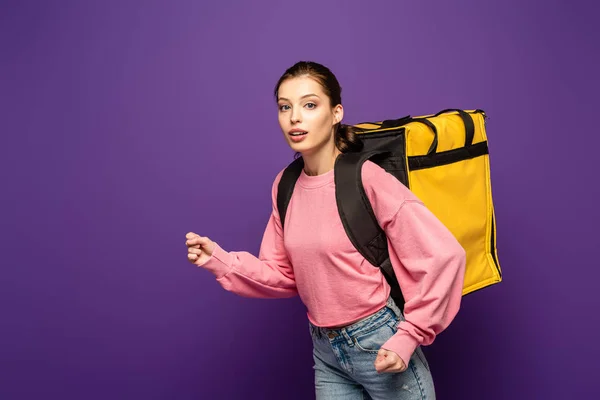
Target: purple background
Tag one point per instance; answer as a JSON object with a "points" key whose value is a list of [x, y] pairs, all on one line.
{"points": [[126, 124]]}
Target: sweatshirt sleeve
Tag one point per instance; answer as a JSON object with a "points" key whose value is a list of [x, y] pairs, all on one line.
{"points": [[428, 261], [270, 275]]}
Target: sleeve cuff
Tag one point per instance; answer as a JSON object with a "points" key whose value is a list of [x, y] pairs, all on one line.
{"points": [[220, 263], [402, 344]]}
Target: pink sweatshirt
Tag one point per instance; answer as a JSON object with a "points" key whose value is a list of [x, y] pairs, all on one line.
{"points": [[316, 260]]}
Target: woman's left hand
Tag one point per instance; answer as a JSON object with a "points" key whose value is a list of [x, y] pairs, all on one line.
{"points": [[388, 361]]}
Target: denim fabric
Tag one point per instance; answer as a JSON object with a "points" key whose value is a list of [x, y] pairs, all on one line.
{"points": [[344, 362]]}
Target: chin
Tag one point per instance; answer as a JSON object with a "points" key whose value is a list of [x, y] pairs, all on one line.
{"points": [[303, 148]]}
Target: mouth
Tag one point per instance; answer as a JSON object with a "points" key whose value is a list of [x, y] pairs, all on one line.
{"points": [[297, 133]]}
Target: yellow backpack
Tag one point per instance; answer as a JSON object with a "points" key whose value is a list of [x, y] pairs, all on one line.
{"points": [[444, 160]]}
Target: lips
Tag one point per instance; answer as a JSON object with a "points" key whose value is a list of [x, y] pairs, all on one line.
{"points": [[297, 133]]}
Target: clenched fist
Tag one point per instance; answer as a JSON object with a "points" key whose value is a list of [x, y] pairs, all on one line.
{"points": [[200, 248], [388, 361]]}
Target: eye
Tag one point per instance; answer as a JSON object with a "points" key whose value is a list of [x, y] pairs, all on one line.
{"points": [[283, 107], [311, 105]]}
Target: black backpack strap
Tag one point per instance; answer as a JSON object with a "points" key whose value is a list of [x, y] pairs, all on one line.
{"points": [[285, 189], [359, 220]]}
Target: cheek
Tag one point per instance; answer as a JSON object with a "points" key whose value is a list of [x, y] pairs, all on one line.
{"points": [[282, 121], [321, 121], [325, 125]]}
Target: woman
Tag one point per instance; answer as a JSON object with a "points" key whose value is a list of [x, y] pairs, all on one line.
{"points": [[364, 345]]}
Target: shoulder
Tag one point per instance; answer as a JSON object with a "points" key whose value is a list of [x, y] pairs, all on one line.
{"points": [[370, 170], [374, 177], [292, 167], [276, 181], [384, 190], [278, 177], [276, 185]]}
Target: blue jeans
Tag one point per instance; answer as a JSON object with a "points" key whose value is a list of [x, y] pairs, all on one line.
{"points": [[344, 362]]}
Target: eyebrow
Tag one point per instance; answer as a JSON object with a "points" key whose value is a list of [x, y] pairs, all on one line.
{"points": [[306, 95]]}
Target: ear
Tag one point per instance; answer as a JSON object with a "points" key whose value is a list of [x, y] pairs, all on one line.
{"points": [[338, 113]]}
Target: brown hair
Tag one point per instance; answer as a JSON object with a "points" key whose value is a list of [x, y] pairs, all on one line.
{"points": [[345, 138]]}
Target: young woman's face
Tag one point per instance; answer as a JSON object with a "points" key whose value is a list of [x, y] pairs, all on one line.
{"points": [[306, 116]]}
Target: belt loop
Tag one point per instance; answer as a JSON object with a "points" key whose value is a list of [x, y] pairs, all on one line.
{"points": [[315, 331], [347, 337], [394, 307]]}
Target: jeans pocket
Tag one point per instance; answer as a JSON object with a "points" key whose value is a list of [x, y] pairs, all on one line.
{"points": [[372, 340]]}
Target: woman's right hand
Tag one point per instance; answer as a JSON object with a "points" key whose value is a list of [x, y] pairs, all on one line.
{"points": [[200, 248]]}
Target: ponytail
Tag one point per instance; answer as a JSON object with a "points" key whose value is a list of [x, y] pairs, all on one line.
{"points": [[346, 140]]}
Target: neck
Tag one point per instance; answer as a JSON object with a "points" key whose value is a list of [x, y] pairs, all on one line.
{"points": [[321, 161]]}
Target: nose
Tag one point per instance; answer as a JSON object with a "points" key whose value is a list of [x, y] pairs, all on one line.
{"points": [[295, 116]]}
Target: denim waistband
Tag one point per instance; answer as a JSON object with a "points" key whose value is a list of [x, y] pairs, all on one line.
{"points": [[370, 322]]}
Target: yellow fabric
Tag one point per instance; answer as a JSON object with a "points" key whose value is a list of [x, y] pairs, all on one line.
{"points": [[459, 193]]}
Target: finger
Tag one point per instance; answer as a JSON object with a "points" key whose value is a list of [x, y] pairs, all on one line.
{"points": [[388, 361], [387, 366], [392, 357], [391, 369], [394, 366], [397, 362], [198, 240], [192, 257], [190, 235], [383, 362], [381, 355], [402, 366], [384, 367], [203, 240], [193, 242], [193, 250]]}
